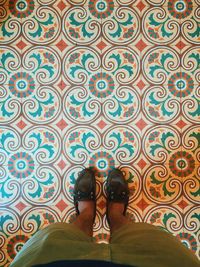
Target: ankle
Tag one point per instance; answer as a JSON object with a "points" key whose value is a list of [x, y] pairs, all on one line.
{"points": [[116, 216], [84, 206], [115, 209], [88, 230], [85, 222]]}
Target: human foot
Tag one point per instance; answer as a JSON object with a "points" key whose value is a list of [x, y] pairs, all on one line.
{"points": [[85, 200], [117, 199]]}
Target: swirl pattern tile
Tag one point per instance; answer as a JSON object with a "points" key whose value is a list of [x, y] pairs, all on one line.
{"points": [[104, 84]]}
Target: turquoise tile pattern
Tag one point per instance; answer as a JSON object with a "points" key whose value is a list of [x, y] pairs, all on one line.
{"points": [[105, 84]]}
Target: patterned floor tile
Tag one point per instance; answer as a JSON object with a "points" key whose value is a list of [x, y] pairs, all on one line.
{"points": [[10, 143], [190, 235], [190, 107], [122, 143], [41, 24], [81, 106], [42, 187], [159, 142], [44, 107], [44, 143], [10, 105], [10, 62], [190, 22], [43, 63], [80, 64], [167, 218], [10, 184], [121, 24], [190, 95], [191, 185], [4, 262], [161, 106], [122, 107], [10, 28], [9, 232], [135, 209], [104, 84], [79, 144], [80, 24], [190, 64], [158, 63], [161, 185], [160, 26], [190, 139], [123, 63]]}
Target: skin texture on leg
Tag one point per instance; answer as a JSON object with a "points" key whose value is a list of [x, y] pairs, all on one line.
{"points": [[85, 219], [116, 217]]}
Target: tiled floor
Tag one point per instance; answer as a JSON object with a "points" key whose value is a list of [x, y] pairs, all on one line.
{"points": [[99, 83]]}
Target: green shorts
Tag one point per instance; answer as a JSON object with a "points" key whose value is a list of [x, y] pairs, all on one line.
{"points": [[136, 244]]}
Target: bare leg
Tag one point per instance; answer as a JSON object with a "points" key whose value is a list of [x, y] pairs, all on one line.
{"points": [[116, 217], [85, 219]]}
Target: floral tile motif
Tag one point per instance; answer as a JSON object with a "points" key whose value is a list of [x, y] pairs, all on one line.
{"points": [[80, 105], [10, 231], [173, 220], [10, 187], [168, 218], [43, 63], [161, 104], [103, 84], [120, 24], [190, 235], [80, 25], [160, 25], [8, 34], [191, 185]]}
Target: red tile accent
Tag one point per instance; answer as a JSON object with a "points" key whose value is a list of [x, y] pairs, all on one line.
{"points": [[142, 163], [62, 124], [21, 124], [181, 124], [61, 205], [101, 204], [62, 85], [101, 45], [21, 45], [61, 164], [141, 45], [61, 45], [142, 204], [180, 45], [182, 204], [61, 5], [141, 84], [101, 124], [141, 124], [20, 206], [140, 5]]}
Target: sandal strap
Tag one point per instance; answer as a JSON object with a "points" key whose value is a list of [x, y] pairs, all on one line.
{"points": [[80, 196], [117, 190], [87, 194], [121, 197]]}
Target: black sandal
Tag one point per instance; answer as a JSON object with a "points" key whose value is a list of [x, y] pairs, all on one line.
{"points": [[85, 188], [117, 190]]}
